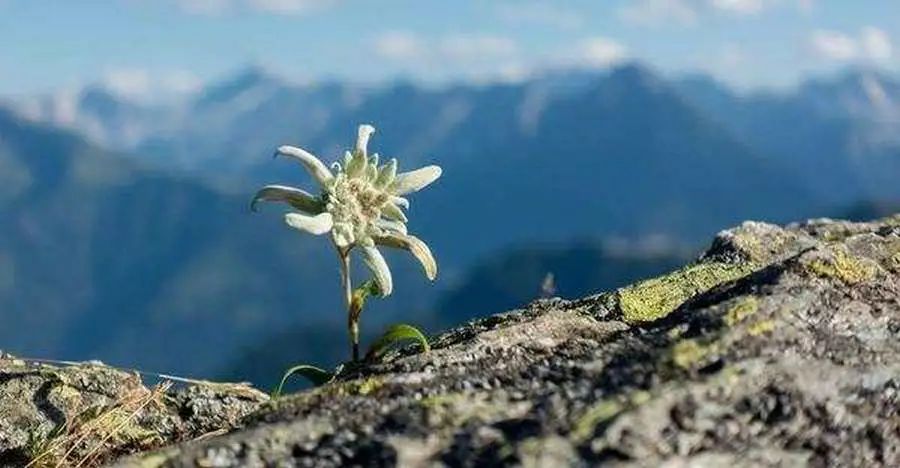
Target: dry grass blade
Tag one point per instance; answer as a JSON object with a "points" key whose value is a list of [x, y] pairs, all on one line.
{"points": [[151, 397], [108, 423]]}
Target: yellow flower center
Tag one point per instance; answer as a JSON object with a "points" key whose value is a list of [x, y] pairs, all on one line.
{"points": [[355, 204]]}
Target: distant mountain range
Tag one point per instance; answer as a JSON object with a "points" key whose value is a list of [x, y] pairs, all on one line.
{"points": [[845, 128], [126, 235], [841, 135], [622, 153]]}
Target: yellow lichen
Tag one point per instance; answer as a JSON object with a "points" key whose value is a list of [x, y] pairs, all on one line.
{"points": [[655, 298], [845, 267], [596, 414], [760, 243], [745, 307], [639, 397], [761, 327], [604, 411], [154, 460], [455, 409], [358, 387], [675, 333], [687, 353]]}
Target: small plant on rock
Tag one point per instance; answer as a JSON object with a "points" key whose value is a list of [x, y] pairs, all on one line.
{"points": [[360, 206]]}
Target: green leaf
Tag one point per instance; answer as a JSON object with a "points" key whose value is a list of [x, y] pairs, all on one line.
{"points": [[395, 335], [314, 374]]}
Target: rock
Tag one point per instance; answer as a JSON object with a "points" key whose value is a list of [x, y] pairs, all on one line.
{"points": [[778, 347], [89, 413]]}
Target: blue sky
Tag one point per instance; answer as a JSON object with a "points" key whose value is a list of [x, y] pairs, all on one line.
{"points": [[149, 46]]}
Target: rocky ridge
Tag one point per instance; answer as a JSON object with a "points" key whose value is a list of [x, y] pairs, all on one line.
{"points": [[777, 347]]}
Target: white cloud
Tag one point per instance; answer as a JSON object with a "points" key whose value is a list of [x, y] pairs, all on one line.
{"points": [[656, 12], [870, 45], [491, 58], [465, 47], [541, 13], [755, 7], [806, 6], [833, 45], [286, 7], [289, 6], [399, 45], [128, 82], [600, 52], [740, 7], [409, 47], [876, 44], [688, 12], [141, 84], [204, 7]]}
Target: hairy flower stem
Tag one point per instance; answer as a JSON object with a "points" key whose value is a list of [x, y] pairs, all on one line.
{"points": [[352, 316]]}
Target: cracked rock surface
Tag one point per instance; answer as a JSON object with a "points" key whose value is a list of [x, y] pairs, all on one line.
{"points": [[779, 346]]}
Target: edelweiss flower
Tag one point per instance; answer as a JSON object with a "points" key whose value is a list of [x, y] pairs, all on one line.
{"points": [[360, 204]]}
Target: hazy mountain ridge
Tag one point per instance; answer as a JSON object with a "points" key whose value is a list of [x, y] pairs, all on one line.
{"points": [[846, 130]]}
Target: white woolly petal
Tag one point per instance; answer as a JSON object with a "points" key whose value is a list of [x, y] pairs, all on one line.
{"points": [[342, 233], [371, 173], [399, 201], [317, 225], [416, 247], [375, 261], [386, 174], [390, 225], [315, 167], [297, 198], [392, 211], [357, 165], [415, 180], [362, 140]]}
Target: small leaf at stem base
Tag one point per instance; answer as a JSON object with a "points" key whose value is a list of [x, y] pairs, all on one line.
{"points": [[314, 374], [394, 335]]}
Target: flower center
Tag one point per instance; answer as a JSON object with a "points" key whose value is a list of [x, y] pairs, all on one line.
{"points": [[354, 204]]}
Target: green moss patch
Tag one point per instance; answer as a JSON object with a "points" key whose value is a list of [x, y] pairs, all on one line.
{"points": [[655, 298]]}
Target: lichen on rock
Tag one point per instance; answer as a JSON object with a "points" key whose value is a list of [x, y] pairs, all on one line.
{"points": [[840, 264], [655, 298]]}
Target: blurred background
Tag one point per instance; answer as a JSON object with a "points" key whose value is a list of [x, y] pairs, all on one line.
{"points": [[600, 142]]}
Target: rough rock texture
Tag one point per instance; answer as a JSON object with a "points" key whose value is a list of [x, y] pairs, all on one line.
{"points": [[778, 347], [81, 415]]}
